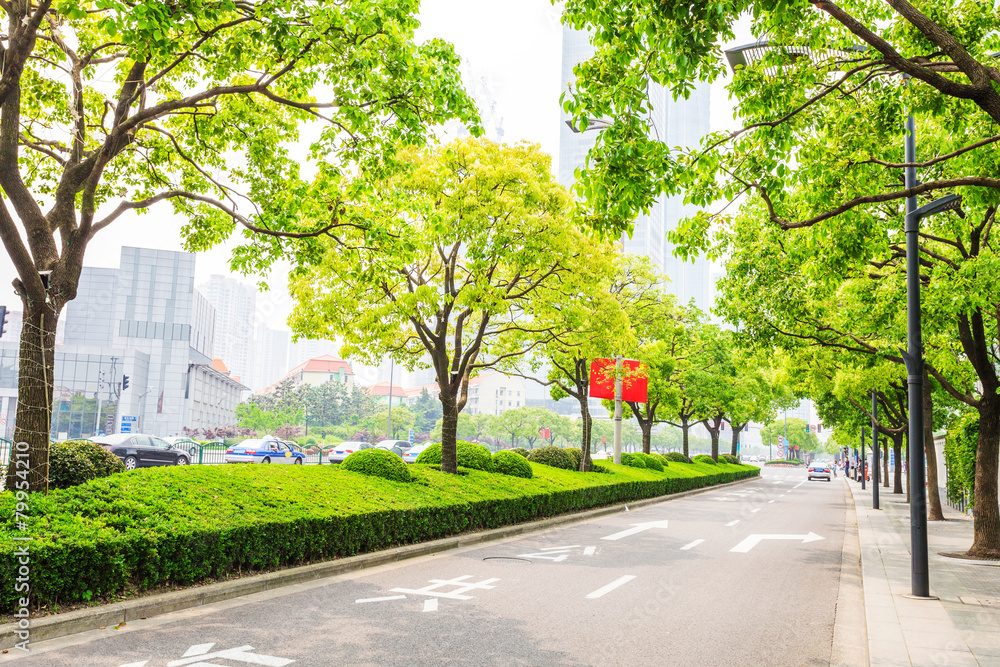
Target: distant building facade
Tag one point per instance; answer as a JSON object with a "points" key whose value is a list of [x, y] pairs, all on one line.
{"points": [[145, 321], [322, 369], [235, 305]]}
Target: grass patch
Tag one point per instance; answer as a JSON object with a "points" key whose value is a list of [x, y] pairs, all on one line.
{"points": [[174, 526]]}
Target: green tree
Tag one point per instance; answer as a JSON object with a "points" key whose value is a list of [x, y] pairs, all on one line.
{"points": [[427, 411], [110, 107], [262, 422], [402, 421], [455, 253], [803, 165]]}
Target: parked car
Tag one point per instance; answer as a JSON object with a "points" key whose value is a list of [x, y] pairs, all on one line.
{"points": [[264, 450], [186, 444], [139, 450], [819, 470], [345, 449], [396, 446], [410, 456]]}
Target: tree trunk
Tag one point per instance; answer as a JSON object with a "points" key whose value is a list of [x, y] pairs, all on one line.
{"points": [[985, 510], [885, 462], [647, 435], [684, 437], [449, 434], [934, 511], [585, 460], [736, 439], [897, 473], [715, 444], [36, 366]]}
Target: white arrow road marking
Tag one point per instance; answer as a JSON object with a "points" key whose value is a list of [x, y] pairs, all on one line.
{"points": [[198, 649], [620, 581], [637, 528], [691, 545], [752, 541], [431, 604], [391, 597], [589, 551], [546, 556], [462, 587], [240, 654], [733, 522]]}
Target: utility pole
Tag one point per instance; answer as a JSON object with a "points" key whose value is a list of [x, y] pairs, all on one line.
{"points": [[875, 452], [864, 462], [619, 364]]}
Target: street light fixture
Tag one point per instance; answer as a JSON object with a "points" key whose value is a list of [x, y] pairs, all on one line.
{"points": [[592, 124], [913, 357]]}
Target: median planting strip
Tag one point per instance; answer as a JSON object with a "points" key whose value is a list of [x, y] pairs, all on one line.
{"points": [[170, 526]]}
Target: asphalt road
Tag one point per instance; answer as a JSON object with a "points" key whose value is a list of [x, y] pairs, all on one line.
{"points": [[685, 582]]}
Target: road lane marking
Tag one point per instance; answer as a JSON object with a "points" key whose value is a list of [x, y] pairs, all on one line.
{"points": [[691, 545], [778, 482], [240, 654], [636, 528], [727, 500], [547, 555], [575, 546], [620, 581], [752, 541], [391, 597], [798, 485], [463, 586], [770, 501], [733, 522], [754, 510], [589, 551], [431, 604]]}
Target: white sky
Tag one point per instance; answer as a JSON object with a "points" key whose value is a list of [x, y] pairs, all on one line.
{"points": [[515, 45]]}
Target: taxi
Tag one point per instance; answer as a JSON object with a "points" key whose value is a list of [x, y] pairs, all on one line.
{"points": [[264, 450]]}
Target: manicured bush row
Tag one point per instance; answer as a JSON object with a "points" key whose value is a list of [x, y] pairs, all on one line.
{"points": [[167, 526], [470, 455], [509, 463], [555, 457], [704, 458], [76, 461], [677, 456], [729, 458], [784, 462]]}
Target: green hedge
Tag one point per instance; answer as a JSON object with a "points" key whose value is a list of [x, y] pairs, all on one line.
{"points": [[520, 451], [729, 458], [576, 454], [555, 457], [77, 461], [787, 462], [677, 457], [377, 463], [166, 526], [470, 455], [509, 463], [704, 458], [649, 461]]}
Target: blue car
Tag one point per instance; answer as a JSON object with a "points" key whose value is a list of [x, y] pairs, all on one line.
{"points": [[264, 450]]}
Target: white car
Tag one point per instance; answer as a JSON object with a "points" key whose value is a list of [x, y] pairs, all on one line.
{"points": [[413, 452], [345, 449], [264, 450]]}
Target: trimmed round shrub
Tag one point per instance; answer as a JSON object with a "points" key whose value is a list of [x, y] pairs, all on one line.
{"points": [[551, 456], [377, 463], [577, 455], [662, 459], [649, 461], [630, 459], [600, 466], [77, 461], [729, 458], [509, 463], [520, 451], [677, 457], [470, 455], [704, 458]]}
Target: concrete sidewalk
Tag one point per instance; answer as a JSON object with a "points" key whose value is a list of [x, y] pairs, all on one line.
{"points": [[962, 627]]}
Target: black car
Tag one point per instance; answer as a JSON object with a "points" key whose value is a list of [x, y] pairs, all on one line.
{"points": [[137, 450]]}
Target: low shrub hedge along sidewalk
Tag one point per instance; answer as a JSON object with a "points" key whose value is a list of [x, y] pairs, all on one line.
{"points": [[158, 527]]}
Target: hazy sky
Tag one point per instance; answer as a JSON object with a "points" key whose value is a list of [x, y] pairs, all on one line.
{"points": [[515, 46]]}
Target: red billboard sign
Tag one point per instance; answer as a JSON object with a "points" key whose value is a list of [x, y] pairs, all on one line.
{"points": [[602, 380]]}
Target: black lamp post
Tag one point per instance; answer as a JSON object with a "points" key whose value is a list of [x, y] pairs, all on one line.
{"points": [[875, 450]]}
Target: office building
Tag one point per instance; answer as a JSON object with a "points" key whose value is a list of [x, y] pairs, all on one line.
{"points": [[234, 304], [675, 122], [270, 361]]}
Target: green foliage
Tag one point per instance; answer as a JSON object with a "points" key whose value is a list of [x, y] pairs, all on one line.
{"points": [[378, 463], [784, 462], [551, 456], [960, 458], [648, 460], [170, 526], [507, 462], [77, 461], [703, 458], [577, 454], [729, 458], [470, 455], [677, 457], [662, 459], [600, 466], [633, 460], [520, 451]]}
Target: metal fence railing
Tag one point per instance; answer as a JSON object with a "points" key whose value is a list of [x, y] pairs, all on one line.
{"points": [[6, 447]]}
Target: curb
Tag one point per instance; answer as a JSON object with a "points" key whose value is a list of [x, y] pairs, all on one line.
{"points": [[93, 618], [850, 621]]}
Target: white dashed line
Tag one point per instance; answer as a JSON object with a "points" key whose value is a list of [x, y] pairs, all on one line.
{"points": [[798, 485], [391, 597], [620, 581], [431, 604], [691, 545], [733, 522], [755, 510], [770, 501], [589, 551]]}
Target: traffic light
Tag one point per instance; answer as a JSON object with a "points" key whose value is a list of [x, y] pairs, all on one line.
{"points": [[807, 428], [3, 319], [124, 382]]}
